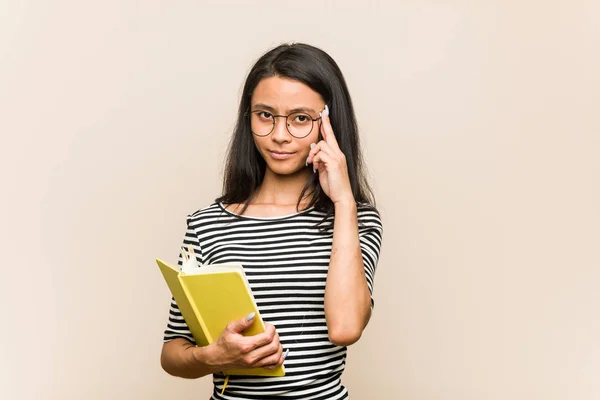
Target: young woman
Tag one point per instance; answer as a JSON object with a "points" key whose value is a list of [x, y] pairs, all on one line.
{"points": [[298, 214]]}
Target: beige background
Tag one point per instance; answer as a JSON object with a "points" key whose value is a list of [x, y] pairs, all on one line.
{"points": [[481, 128]]}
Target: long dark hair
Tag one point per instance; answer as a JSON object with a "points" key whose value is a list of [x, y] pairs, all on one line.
{"points": [[245, 167]]}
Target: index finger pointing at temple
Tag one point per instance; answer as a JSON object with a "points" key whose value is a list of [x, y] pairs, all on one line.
{"points": [[327, 130]]}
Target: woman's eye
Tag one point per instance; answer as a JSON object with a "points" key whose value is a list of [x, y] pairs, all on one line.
{"points": [[265, 115], [301, 118]]}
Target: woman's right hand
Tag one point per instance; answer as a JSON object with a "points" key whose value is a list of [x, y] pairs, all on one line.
{"points": [[233, 350]]}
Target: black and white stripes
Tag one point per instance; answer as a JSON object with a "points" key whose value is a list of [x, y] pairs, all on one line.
{"points": [[286, 261]]}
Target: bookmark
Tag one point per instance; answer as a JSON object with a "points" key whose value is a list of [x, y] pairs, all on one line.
{"points": [[225, 384], [184, 254], [190, 262]]}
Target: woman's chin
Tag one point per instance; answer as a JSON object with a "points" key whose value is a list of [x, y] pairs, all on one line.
{"points": [[288, 170]]}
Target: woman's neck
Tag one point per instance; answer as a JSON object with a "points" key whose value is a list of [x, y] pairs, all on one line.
{"points": [[281, 189]]}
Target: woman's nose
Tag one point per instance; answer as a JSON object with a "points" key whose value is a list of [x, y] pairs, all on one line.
{"points": [[280, 132]]}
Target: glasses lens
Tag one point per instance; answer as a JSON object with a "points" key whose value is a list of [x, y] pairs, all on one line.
{"points": [[299, 124], [261, 123]]}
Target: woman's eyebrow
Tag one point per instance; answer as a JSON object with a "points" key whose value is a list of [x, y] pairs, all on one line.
{"points": [[302, 109], [266, 107], [263, 106]]}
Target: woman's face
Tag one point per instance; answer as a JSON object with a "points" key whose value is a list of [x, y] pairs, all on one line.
{"points": [[284, 153]]}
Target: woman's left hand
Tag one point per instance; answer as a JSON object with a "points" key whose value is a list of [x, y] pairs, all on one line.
{"points": [[327, 158]]}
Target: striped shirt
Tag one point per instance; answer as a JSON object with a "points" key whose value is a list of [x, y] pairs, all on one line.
{"points": [[286, 261]]}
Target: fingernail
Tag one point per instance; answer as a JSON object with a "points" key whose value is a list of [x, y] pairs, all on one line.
{"points": [[250, 316], [312, 145], [314, 170], [326, 112], [286, 353], [307, 161]]}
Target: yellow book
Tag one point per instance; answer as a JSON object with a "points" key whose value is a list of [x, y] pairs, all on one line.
{"points": [[211, 296]]}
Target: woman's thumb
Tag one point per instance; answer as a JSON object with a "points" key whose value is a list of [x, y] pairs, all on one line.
{"points": [[243, 323]]}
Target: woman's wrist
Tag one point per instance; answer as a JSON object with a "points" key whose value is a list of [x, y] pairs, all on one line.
{"points": [[347, 203], [205, 358]]}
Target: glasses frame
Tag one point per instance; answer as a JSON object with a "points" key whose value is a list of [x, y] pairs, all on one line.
{"points": [[287, 125]]}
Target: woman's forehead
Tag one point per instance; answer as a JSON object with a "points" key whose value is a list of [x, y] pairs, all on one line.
{"points": [[283, 93]]}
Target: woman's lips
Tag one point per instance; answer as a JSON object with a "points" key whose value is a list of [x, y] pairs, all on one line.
{"points": [[281, 155]]}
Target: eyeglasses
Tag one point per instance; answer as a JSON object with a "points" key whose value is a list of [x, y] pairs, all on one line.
{"points": [[298, 124]]}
